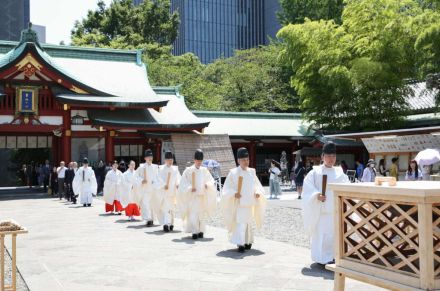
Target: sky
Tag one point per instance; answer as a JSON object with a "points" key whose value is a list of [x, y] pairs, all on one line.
{"points": [[59, 16]]}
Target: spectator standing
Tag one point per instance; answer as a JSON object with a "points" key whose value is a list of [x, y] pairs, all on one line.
{"points": [[426, 172], [359, 170], [29, 175], [300, 173], [274, 181], [46, 174], [413, 173], [54, 181], [382, 169], [369, 174], [61, 171], [68, 179], [394, 169]]}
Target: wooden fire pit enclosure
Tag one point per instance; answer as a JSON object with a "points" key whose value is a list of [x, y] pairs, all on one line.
{"points": [[13, 229], [388, 236]]}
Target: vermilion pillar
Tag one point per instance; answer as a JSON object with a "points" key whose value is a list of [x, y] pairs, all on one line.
{"points": [[66, 139], [109, 146]]}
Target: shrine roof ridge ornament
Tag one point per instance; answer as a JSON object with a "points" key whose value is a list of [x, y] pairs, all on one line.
{"points": [[29, 35]]}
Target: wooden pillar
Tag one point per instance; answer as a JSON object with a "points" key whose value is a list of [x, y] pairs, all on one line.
{"points": [[158, 152], [66, 138], [252, 154], [109, 146]]}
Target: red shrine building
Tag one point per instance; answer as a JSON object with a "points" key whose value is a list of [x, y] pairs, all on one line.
{"points": [[64, 103]]}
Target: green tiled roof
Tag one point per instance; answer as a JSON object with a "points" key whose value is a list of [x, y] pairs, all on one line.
{"points": [[90, 53], [257, 115]]}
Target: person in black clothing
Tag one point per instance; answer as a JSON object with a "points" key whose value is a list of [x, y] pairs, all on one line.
{"points": [[122, 166], [300, 173], [70, 174], [100, 176], [54, 181], [309, 168]]}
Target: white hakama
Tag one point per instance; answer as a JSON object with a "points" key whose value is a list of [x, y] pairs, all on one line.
{"points": [[167, 197], [318, 217], [149, 202]]}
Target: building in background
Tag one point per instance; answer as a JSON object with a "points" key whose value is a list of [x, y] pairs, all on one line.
{"points": [[14, 17], [41, 32], [215, 28]]}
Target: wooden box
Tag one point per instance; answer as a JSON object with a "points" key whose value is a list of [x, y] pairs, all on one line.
{"points": [[388, 236]]}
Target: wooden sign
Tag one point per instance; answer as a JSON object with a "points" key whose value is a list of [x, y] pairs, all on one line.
{"points": [[27, 100]]}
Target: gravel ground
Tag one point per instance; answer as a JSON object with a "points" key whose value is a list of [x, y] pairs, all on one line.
{"points": [[281, 223], [21, 285]]}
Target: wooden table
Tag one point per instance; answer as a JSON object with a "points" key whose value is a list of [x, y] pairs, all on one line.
{"points": [[388, 236], [13, 235]]}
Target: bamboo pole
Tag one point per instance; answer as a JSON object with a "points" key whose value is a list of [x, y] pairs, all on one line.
{"points": [[2, 265], [240, 184], [168, 179], [193, 180]]}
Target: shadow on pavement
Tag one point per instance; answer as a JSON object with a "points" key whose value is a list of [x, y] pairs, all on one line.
{"points": [[79, 206], [128, 221], [234, 254], [190, 241], [161, 232], [317, 270]]}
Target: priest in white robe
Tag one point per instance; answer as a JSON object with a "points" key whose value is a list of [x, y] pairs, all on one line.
{"points": [[112, 190], [130, 195], [148, 172], [243, 202], [197, 197], [84, 184], [318, 208], [170, 177]]}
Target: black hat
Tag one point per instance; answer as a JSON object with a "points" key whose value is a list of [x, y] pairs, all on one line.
{"points": [[242, 153], [198, 155], [148, 153], [168, 155], [85, 161], [329, 148]]}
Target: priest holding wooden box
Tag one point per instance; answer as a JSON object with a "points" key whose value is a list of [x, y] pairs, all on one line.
{"points": [[170, 176], [197, 197], [318, 207], [243, 202]]}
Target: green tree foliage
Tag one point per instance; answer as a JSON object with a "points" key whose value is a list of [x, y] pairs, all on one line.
{"points": [[296, 11], [149, 26], [354, 75], [251, 80]]}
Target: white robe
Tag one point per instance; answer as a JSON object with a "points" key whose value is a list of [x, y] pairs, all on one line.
{"points": [[167, 198], [84, 184], [196, 207], [318, 217], [149, 202], [112, 186], [129, 188], [239, 214]]}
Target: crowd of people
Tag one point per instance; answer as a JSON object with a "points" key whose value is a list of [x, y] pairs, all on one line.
{"points": [[157, 193]]}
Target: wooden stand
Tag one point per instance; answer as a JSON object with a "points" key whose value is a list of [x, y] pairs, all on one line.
{"points": [[13, 234], [388, 236]]}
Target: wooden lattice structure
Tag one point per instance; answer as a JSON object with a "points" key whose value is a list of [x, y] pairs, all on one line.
{"points": [[13, 233], [388, 236]]}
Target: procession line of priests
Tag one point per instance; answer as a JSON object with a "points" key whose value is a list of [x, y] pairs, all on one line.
{"points": [[318, 207], [243, 202], [130, 194], [150, 184], [197, 198], [84, 184], [113, 189], [166, 195]]}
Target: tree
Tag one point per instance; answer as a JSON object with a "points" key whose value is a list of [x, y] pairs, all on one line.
{"points": [[353, 76], [148, 26], [251, 80], [296, 11]]}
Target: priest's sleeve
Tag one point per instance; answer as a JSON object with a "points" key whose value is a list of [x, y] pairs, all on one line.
{"points": [[311, 206]]}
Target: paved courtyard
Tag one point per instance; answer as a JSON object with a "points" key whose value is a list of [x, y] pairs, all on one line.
{"points": [[69, 247]]}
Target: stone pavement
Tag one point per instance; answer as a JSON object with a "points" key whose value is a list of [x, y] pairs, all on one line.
{"points": [[69, 247]]}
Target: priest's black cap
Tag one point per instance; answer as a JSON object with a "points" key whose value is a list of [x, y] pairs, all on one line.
{"points": [[168, 155], [85, 161], [242, 153], [148, 153], [198, 155], [329, 148]]}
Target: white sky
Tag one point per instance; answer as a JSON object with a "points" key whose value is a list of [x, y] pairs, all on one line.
{"points": [[59, 16]]}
